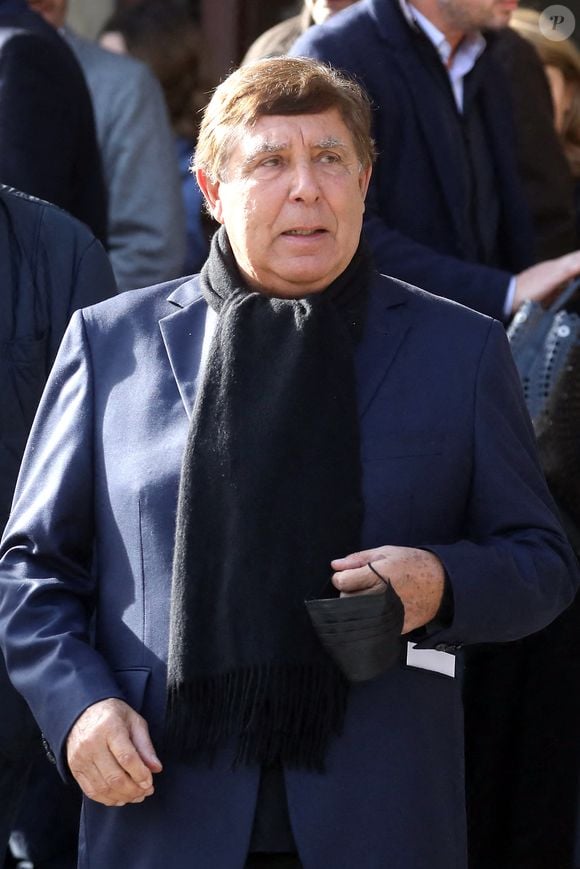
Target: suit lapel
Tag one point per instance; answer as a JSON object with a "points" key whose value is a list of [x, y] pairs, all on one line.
{"points": [[182, 333], [407, 49], [440, 137], [387, 326]]}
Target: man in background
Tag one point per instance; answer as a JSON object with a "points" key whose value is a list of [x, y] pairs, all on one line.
{"points": [[146, 219], [542, 164], [47, 131], [278, 39], [446, 210]]}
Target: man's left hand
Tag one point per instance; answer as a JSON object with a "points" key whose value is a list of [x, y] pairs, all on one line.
{"points": [[417, 576]]}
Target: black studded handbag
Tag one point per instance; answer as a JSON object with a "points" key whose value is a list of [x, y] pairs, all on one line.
{"points": [[545, 344]]}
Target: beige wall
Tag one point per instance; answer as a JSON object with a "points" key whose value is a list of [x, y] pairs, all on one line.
{"points": [[87, 16]]}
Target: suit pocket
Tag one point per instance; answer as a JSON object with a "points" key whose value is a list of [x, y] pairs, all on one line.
{"points": [[23, 371], [394, 445], [396, 466], [133, 683]]}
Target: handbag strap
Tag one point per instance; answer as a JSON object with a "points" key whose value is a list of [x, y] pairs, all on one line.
{"points": [[567, 293]]}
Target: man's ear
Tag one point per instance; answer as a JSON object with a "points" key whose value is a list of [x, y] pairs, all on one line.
{"points": [[211, 192], [364, 179]]}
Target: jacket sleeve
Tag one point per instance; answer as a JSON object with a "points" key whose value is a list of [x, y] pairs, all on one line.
{"points": [[47, 585], [514, 571], [479, 287], [76, 271], [146, 209]]}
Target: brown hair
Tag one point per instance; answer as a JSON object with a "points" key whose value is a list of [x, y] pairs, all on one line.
{"points": [[163, 35], [280, 86], [566, 57]]}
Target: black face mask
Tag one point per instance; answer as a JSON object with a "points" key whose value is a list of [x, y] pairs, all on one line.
{"points": [[361, 632]]}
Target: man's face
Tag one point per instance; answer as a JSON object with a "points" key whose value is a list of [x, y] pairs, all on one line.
{"points": [[292, 201], [53, 11], [469, 16], [323, 9]]}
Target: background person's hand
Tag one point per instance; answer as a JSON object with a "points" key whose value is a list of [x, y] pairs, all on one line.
{"points": [[541, 282], [416, 575], [111, 755]]}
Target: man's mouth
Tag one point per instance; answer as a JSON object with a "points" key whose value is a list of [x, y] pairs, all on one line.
{"points": [[303, 232]]}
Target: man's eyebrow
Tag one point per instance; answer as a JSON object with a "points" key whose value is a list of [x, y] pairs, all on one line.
{"points": [[265, 147], [330, 142], [269, 147]]}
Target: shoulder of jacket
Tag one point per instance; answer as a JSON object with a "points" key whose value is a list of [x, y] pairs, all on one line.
{"points": [[428, 306], [31, 207], [31, 217], [145, 305]]}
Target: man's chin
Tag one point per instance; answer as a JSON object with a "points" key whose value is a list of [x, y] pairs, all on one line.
{"points": [[502, 16]]}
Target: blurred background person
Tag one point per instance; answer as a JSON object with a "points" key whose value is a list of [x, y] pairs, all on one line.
{"points": [[146, 217], [542, 166], [164, 36], [561, 61], [278, 39], [47, 130]]}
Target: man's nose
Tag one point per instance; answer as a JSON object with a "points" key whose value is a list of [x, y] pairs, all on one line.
{"points": [[304, 184]]}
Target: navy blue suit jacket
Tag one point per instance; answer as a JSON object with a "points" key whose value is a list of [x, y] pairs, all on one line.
{"points": [[415, 206], [449, 464]]}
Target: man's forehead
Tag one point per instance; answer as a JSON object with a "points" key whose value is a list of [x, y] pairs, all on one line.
{"points": [[276, 132]]}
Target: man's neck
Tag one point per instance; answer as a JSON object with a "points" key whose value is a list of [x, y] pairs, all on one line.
{"points": [[431, 10]]}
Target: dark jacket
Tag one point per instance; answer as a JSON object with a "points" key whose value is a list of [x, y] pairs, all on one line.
{"points": [[448, 463], [50, 265], [416, 207], [49, 146], [543, 168]]}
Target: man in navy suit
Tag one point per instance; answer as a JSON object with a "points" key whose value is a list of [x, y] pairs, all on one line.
{"points": [[208, 455], [445, 209]]}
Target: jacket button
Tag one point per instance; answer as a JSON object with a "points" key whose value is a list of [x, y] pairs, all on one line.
{"points": [[441, 647], [48, 750]]}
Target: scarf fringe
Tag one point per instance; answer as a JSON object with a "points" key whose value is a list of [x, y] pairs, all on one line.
{"points": [[278, 713]]}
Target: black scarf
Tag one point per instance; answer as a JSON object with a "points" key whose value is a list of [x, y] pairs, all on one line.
{"points": [[270, 492]]}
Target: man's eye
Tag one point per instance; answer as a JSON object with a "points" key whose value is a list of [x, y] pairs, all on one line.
{"points": [[329, 158], [270, 162]]}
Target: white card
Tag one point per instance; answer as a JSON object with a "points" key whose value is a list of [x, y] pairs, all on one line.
{"points": [[431, 659]]}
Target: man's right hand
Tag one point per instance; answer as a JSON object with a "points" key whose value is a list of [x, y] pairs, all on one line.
{"points": [[111, 755], [542, 281]]}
